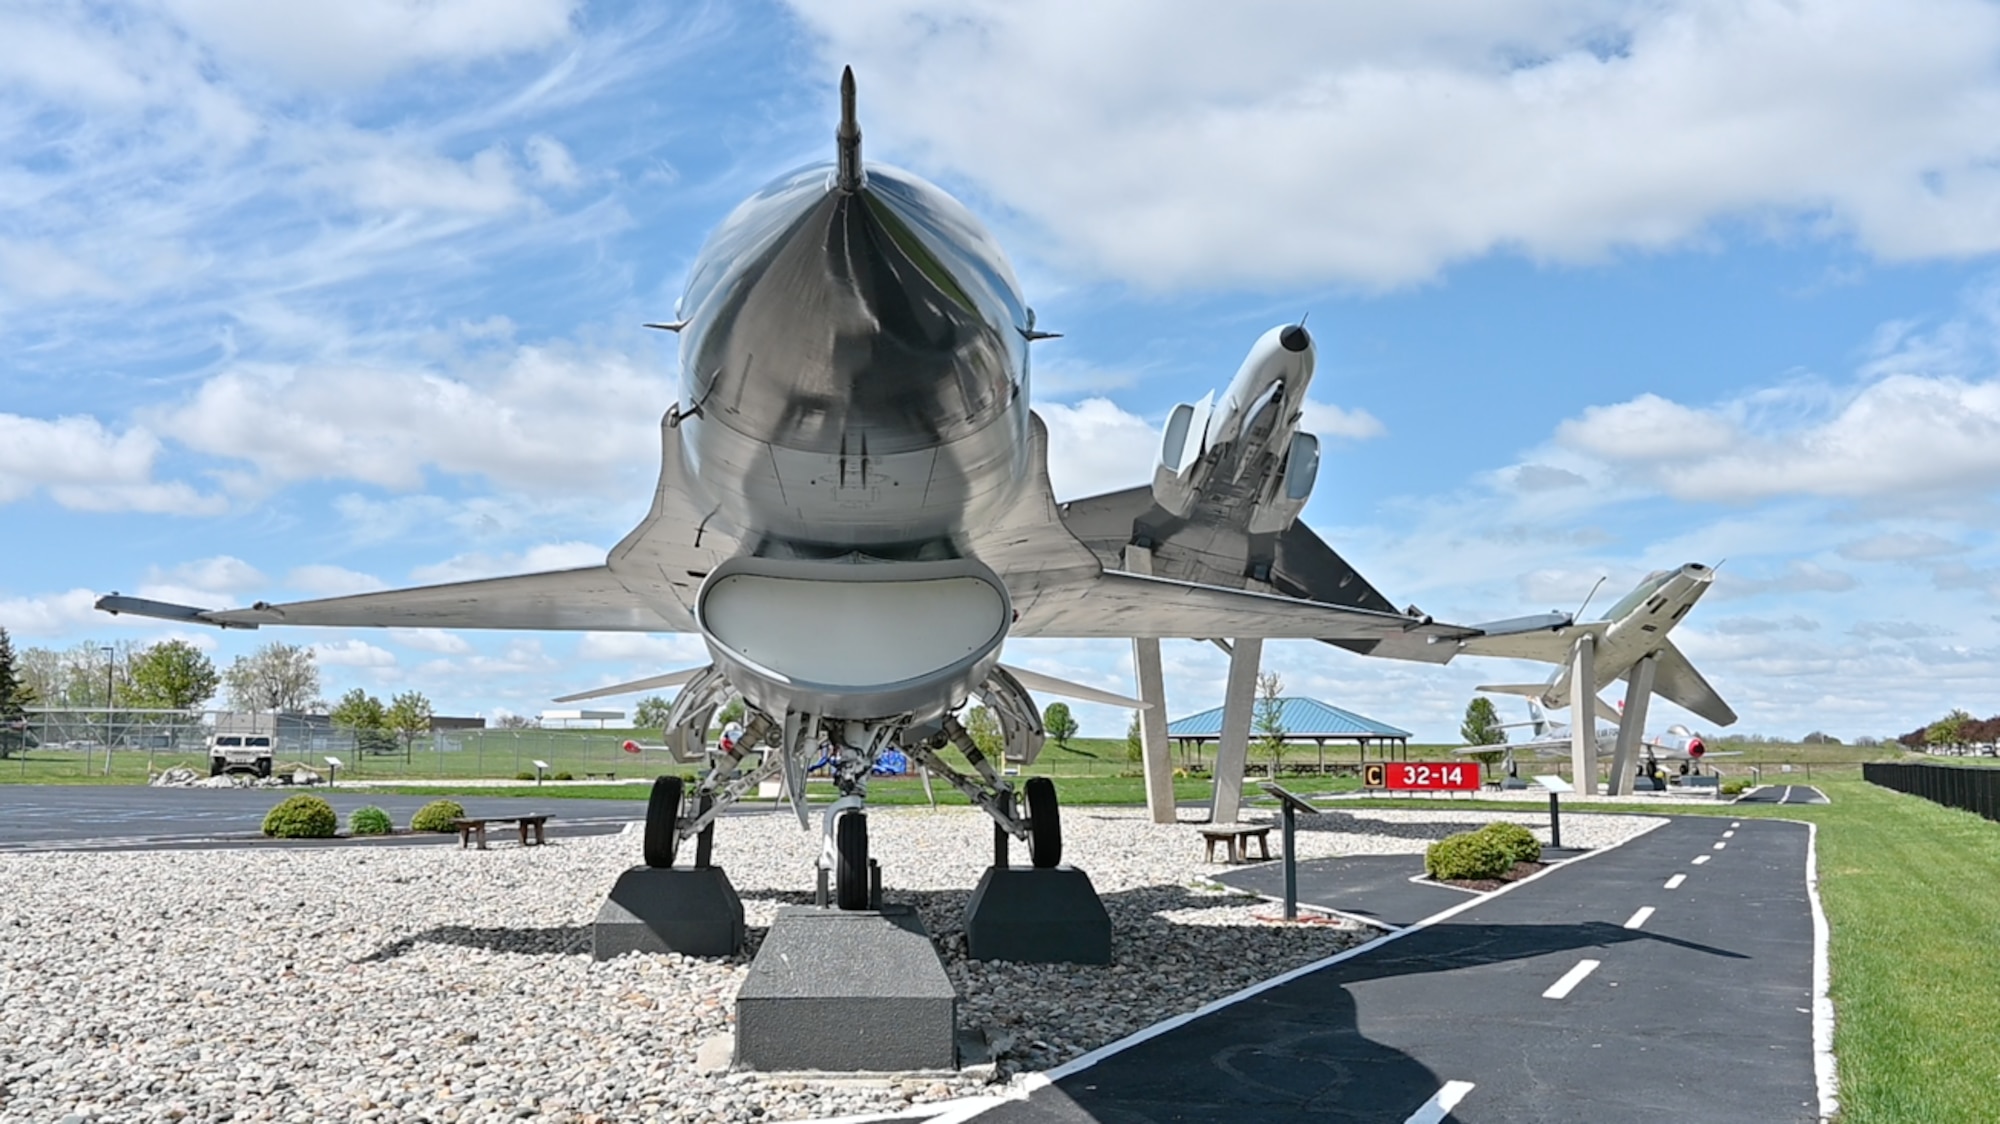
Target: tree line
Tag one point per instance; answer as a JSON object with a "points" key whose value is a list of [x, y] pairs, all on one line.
{"points": [[164, 675], [1956, 731]]}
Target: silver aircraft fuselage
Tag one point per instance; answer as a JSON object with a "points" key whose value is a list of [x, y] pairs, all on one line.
{"points": [[854, 367]]}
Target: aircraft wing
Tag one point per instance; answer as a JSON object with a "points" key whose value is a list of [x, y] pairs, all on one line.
{"points": [[1119, 604], [1676, 679], [588, 598], [1546, 645]]}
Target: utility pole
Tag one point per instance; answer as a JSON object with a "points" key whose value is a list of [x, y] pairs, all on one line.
{"points": [[110, 667]]}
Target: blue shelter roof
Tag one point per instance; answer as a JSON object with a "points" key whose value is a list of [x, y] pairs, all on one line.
{"points": [[1301, 718]]}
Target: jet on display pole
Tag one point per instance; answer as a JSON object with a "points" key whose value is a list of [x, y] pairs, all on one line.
{"points": [[854, 513]]}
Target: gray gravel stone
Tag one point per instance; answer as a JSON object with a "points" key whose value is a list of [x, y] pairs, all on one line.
{"points": [[405, 982]]}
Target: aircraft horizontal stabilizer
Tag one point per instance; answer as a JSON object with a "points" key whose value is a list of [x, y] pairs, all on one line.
{"points": [[1063, 688], [653, 682], [1676, 679], [1526, 690], [589, 598]]}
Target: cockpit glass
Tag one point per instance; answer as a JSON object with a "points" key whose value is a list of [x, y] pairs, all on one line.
{"points": [[1638, 596]]}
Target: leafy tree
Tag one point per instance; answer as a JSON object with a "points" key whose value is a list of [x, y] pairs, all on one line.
{"points": [[409, 715], [15, 695], [732, 711], [278, 676], [516, 722], [1949, 731], [1482, 723], [985, 731], [1270, 722], [1135, 740], [358, 710], [652, 711], [76, 677], [171, 675], [1059, 724]]}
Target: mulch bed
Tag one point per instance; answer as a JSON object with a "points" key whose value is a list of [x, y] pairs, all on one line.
{"points": [[1520, 871]]}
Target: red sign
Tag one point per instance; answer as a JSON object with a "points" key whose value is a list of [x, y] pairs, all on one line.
{"points": [[1429, 776]]}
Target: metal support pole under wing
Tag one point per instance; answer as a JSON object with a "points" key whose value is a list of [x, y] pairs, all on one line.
{"points": [[1632, 724], [1583, 715], [1157, 755]]}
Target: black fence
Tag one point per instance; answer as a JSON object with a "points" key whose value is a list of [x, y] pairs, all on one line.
{"points": [[1969, 788]]}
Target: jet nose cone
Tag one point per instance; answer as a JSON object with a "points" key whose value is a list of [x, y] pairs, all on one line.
{"points": [[1295, 338]]}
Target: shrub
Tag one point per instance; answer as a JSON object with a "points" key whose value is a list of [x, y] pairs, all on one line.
{"points": [[1520, 843], [368, 820], [437, 816], [565, 776], [524, 775], [302, 817], [1467, 855], [1735, 786]]}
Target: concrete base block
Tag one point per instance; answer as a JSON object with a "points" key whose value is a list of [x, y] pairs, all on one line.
{"points": [[1037, 916], [694, 912], [847, 991]]}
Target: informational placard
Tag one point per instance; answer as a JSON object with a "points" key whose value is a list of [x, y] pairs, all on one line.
{"points": [[1431, 776]]}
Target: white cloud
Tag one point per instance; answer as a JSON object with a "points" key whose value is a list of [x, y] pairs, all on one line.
{"points": [[360, 41], [546, 556], [85, 466], [387, 180], [552, 162], [352, 653], [41, 271], [52, 614], [431, 640], [669, 652], [325, 580], [545, 420], [1798, 576], [1095, 447], [1758, 626], [1898, 547], [1377, 144], [1333, 421], [209, 583]]}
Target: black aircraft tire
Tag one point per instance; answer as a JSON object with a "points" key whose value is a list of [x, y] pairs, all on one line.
{"points": [[663, 813], [850, 854], [1044, 823], [215, 766]]}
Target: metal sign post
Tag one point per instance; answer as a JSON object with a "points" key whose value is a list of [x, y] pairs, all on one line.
{"points": [[1293, 804], [1556, 786]]}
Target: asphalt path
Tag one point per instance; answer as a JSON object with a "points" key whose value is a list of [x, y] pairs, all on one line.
{"points": [[60, 817], [1389, 890], [1667, 979], [1784, 794]]}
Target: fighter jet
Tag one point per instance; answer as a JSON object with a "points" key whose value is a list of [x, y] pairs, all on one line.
{"points": [[1552, 739], [854, 513]]}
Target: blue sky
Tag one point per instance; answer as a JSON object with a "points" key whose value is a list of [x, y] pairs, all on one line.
{"points": [[306, 300]]}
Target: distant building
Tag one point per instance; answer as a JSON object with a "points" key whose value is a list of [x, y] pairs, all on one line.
{"points": [[441, 722]]}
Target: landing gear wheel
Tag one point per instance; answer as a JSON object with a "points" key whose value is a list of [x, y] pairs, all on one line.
{"points": [[850, 861], [1044, 823], [663, 813], [214, 766]]}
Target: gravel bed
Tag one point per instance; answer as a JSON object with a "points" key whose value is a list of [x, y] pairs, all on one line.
{"points": [[433, 983]]}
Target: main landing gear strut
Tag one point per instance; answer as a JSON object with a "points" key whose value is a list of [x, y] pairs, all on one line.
{"points": [[1030, 814]]}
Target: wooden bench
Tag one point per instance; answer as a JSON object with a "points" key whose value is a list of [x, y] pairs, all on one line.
{"points": [[470, 830], [606, 776], [1238, 838]]}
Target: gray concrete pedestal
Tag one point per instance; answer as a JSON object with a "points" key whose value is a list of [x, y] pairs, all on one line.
{"points": [[694, 912], [847, 991], [1035, 916]]}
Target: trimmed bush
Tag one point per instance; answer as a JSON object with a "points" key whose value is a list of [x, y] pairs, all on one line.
{"points": [[564, 777], [437, 816], [524, 775], [302, 817], [1467, 855], [1520, 843], [368, 820], [1735, 786]]}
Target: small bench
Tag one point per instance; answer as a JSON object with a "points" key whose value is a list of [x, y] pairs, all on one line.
{"points": [[606, 776], [1238, 839], [470, 830]]}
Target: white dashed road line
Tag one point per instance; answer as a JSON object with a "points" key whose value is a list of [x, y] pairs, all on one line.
{"points": [[1674, 883], [1736, 823], [1639, 918], [1700, 859], [1441, 1103], [1728, 834], [1562, 987], [1719, 845]]}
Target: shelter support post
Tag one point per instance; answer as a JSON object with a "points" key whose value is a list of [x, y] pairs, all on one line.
{"points": [[1232, 753], [1583, 715], [1156, 753], [1632, 724]]}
